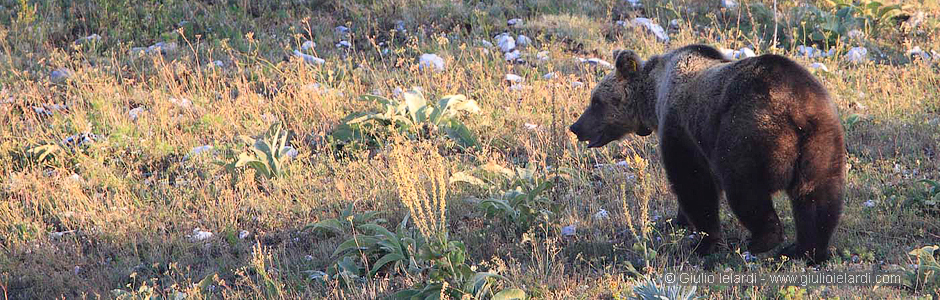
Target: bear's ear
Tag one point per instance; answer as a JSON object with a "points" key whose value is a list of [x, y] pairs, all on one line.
{"points": [[626, 62]]}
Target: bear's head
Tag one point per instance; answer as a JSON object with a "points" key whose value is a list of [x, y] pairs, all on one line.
{"points": [[616, 101]]}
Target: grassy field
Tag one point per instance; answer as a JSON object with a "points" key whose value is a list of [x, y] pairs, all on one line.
{"points": [[135, 169]]}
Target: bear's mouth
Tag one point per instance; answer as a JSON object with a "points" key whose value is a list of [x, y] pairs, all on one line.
{"points": [[600, 140]]}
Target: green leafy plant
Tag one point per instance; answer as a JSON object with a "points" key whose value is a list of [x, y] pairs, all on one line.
{"points": [[652, 290], [931, 193], [266, 154], [413, 117], [450, 274], [346, 217], [517, 194], [926, 275], [395, 249], [871, 16]]}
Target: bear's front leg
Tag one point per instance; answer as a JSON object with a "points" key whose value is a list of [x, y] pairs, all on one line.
{"points": [[695, 188]]}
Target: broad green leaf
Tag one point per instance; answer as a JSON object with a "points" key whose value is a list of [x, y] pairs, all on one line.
{"points": [[245, 158], [510, 294], [467, 178], [361, 242], [391, 257], [497, 169], [415, 101], [376, 98], [460, 133], [333, 225]]}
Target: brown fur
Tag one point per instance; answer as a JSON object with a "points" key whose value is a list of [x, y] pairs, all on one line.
{"points": [[748, 128]]}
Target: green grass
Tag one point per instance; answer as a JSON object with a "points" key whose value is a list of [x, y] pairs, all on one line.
{"points": [[118, 213]]}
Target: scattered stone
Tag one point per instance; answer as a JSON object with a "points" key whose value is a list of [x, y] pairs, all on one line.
{"points": [[819, 66], [505, 42], [729, 4], [569, 230], [857, 55], [243, 234], [577, 84], [744, 53], [813, 52], [542, 55], [181, 102], [549, 76], [342, 30], [307, 46], [400, 26], [60, 234], [198, 150], [162, 48], [514, 22], [728, 53], [309, 59], [531, 126], [218, 63], [596, 62], [79, 140], [635, 3], [200, 235], [523, 41], [674, 24], [652, 27], [429, 60], [517, 87], [48, 109], [60, 75], [748, 257], [93, 38], [869, 203], [485, 44], [512, 55], [601, 215], [917, 53], [77, 178], [856, 34], [513, 78], [290, 152], [343, 45]]}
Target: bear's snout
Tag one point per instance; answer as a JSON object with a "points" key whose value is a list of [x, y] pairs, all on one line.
{"points": [[576, 129]]}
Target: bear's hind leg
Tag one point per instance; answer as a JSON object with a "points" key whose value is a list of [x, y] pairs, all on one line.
{"points": [[752, 202], [816, 214]]}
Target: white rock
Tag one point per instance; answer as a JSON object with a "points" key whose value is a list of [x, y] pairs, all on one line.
{"points": [[309, 59], [198, 150], [869, 203], [243, 234], [916, 52], [218, 63], [857, 55], [744, 53], [549, 76], [542, 55], [291, 152], [343, 45], [601, 215], [729, 4], [514, 22], [517, 87], [431, 61], [307, 46], [181, 102], [512, 55], [77, 178], [856, 34], [135, 113], [400, 26], [728, 53], [485, 44], [808, 51], [596, 62], [60, 75], [674, 24], [819, 66], [94, 37], [59, 234], [531, 126], [162, 48], [513, 78], [523, 41], [569, 230], [653, 28], [505, 42], [200, 235], [79, 139], [576, 84], [634, 3], [341, 30]]}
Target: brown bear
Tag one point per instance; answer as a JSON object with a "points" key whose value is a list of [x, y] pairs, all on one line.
{"points": [[748, 128]]}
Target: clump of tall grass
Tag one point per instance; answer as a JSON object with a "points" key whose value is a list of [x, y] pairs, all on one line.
{"points": [[422, 190]]}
